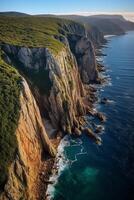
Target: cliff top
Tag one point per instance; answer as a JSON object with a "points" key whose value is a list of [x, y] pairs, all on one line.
{"points": [[33, 31]]}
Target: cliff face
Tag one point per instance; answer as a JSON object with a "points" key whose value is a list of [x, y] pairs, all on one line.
{"points": [[66, 95], [63, 99], [94, 34], [111, 24], [84, 52], [57, 82], [32, 141], [81, 41], [59, 79], [100, 25]]}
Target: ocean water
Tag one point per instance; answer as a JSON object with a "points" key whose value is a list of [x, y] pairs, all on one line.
{"points": [[105, 172]]}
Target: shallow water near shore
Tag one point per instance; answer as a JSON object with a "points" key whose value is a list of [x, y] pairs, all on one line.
{"points": [[105, 172]]}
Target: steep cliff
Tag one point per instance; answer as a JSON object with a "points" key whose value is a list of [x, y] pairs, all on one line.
{"points": [[32, 141], [57, 79], [81, 44], [100, 25], [55, 82], [55, 69], [84, 52], [94, 33], [111, 24]]}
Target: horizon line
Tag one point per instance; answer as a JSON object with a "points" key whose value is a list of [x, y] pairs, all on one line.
{"points": [[126, 14]]}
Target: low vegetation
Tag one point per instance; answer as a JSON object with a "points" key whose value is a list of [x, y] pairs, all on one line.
{"points": [[10, 86], [32, 31]]}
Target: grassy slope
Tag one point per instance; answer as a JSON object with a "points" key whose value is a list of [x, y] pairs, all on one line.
{"points": [[32, 31], [10, 85]]}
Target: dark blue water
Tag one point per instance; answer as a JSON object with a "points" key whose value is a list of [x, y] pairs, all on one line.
{"points": [[106, 172]]}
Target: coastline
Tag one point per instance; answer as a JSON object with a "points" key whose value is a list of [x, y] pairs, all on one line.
{"points": [[71, 142], [52, 167], [51, 172], [46, 171], [56, 165], [100, 87]]}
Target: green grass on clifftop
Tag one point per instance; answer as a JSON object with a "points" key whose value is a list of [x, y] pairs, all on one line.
{"points": [[10, 85], [32, 31]]}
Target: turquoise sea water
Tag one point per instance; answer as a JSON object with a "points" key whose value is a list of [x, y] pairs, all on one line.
{"points": [[106, 172]]}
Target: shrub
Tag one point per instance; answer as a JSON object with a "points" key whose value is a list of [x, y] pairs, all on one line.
{"points": [[10, 85]]}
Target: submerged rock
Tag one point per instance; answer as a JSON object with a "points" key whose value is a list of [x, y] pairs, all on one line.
{"points": [[105, 100], [101, 116], [92, 135], [98, 129], [98, 141]]}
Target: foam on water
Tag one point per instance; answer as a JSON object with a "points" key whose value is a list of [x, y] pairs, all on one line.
{"points": [[109, 36], [61, 162], [82, 151]]}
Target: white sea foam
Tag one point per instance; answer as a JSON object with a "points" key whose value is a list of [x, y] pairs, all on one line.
{"points": [[108, 36], [61, 162], [99, 59], [102, 90], [111, 101], [82, 151]]}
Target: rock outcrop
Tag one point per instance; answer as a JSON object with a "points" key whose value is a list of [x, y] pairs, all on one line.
{"points": [[82, 48], [85, 55], [32, 142]]}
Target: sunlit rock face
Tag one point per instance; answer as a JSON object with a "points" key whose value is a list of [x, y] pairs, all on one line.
{"points": [[32, 142]]}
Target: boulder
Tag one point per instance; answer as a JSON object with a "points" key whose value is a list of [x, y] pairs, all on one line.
{"points": [[77, 131], [98, 141], [101, 116], [98, 129], [104, 101], [91, 134]]}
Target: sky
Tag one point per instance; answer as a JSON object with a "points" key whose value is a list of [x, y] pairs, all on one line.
{"points": [[84, 7]]}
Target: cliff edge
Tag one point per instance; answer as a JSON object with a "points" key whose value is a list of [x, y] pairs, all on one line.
{"points": [[55, 63]]}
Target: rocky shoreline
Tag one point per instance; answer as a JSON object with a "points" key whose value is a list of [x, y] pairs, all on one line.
{"points": [[45, 173], [49, 169], [57, 89]]}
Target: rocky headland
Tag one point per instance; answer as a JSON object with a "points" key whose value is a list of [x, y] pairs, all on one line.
{"points": [[55, 61]]}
